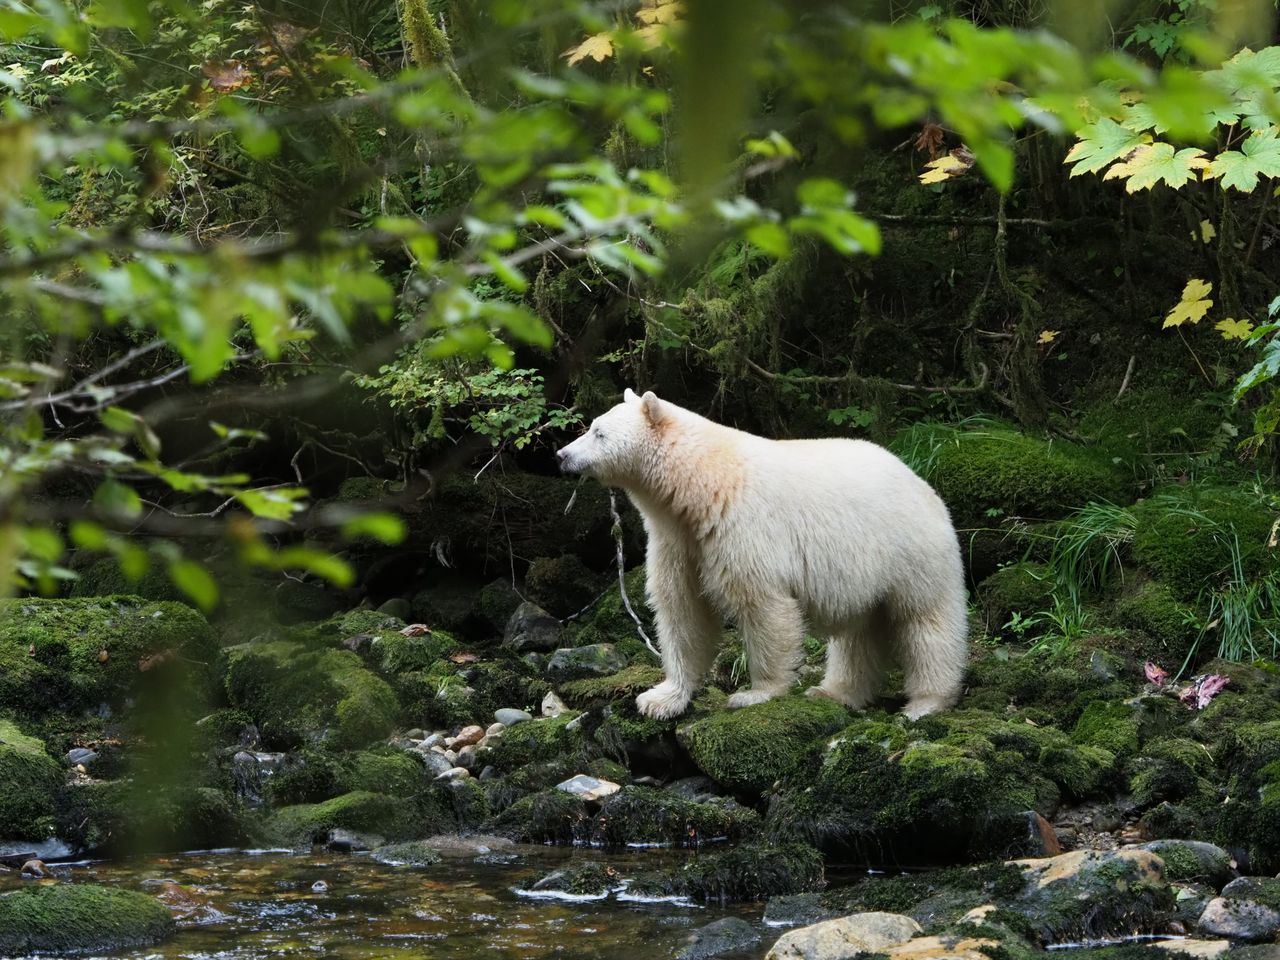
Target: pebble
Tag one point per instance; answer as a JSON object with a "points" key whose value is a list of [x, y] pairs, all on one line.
{"points": [[509, 717], [588, 788], [431, 741], [35, 869], [466, 736], [494, 728], [454, 773], [320, 887], [552, 706], [467, 757]]}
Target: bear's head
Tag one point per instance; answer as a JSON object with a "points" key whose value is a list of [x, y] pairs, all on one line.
{"points": [[616, 445]]}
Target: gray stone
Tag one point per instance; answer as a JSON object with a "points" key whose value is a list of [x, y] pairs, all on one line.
{"points": [[552, 706], [456, 846], [509, 716], [598, 659], [81, 756], [845, 937], [397, 607], [1238, 919], [1192, 860], [727, 935], [796, 909], [348, 841], [454, 773], [415, 734], [494, 729], [436, 763], [589, 788], [532, 629]]}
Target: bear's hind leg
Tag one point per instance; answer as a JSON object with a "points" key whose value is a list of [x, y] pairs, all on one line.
{"points": [[773, 634], [932, 644], [855, 662]]}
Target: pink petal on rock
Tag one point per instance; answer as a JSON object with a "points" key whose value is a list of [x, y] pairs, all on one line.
{"points": [[1208, 688], [1155, 674]]}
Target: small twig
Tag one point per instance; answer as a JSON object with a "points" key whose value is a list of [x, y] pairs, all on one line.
{"points": [[1124, 384], [622, 580]]}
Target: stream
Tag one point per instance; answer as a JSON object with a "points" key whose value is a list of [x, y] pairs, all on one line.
{"points": [[243, 905]]}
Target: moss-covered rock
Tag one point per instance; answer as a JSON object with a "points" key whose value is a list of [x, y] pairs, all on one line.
{"points": [[747, 750], [1189, 860], [1152, 609], [1171, 769], [104, 578], [410, 853], [626, 684], [1188, 537], [584, 879], [144, 816], [384, 770], [299, 694], [76, 655], [644, 815], [1047, 689], [542, 740], [1109, 725], [951, 787], [608, 621], [996, 471], [367, 814], [933, 898], [1025, 588], [748, 871], [30, 779], [69, 919], [395, 653], [562, 585], [551, 816], [306, 776]]}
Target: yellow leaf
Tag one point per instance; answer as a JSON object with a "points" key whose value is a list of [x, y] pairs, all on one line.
{"points": [[598, 46], [1207, 231], [953, 164], [1193, 305], [654, 35], [1234, 329], [1047, 336], [660, 11]]}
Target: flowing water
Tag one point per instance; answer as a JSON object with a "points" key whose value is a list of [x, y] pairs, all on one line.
{"points": [[243, 906]]}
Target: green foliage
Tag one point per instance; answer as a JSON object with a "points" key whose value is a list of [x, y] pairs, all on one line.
{"points": [[370, 814], [80, 918], [31, 779]]}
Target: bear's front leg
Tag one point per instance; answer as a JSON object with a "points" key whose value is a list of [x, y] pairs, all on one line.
{"points": [[688, 631], [773, 634]]}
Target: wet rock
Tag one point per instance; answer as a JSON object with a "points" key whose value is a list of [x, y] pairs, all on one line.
{"points": [[29, 780], [728, 935], [320, 886], [552, 706], [509, 717], [1189, 901], [697, 788], [436, 763], [397, 607], [454, 773], [1248, 910], [1091, 894], [360, 643], [494, 729], [1200, 949], [532, 629], [588, 788], [579, 880], [845, 937], [81, 756], [77, 918], [596, 659], [1192, 860], [467, 757], [796, 909], [637, 814], [412, 853], [250, 771], [457, 847], [349, 841], [35, 869]]}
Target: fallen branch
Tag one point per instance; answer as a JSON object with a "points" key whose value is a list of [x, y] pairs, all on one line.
{"points": [[622, 580]]}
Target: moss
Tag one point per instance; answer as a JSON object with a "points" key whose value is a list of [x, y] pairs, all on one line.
{"points": [[297, 694], [626, 684], [495, 602], [1187, 537], [30, 778], [747, 750], [584, 879], [135, 816], [104, 578], [396, 653], [1111, 726], [959, 888], [608, 621], [305, 776], [223, 728], [749, 871], [1153, 609], [996, 471], [551, 816], [361, 812], [1046, 688], [361, 490], [541, 741], [79, 918], [384, 770], [1153, 421], [950, 787], [76, 655], [562, 585], [1024, 588], [410, 853], [644, 815]]}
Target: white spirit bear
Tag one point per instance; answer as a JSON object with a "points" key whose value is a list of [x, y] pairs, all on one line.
{"points": [[839, 537]]}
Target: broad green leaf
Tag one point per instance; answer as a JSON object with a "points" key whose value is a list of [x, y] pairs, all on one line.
{"points": [[272, 503], [193, 580], [1258, 156], [1154, 163], [1100, 144], [386, 527], [117, 500]]}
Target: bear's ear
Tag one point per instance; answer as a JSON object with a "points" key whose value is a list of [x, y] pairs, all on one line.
{"points": [[629, 396], [652, 407]]}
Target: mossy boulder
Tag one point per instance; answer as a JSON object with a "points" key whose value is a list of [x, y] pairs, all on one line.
{"points": [[1025, 588], [30, 779], [540, 741], [1189, 538], [996, 471], [1155, 613], [747, 750], [69, 919], [395, 653], [626, 684], [385, 770], [1172, 769], [299, 694], [145, 815], [748, 871], [1189, 861], [550, 816], [104, 578], [608, 621], [76, 655], [361, 812], [586, 879], [409, 853], [1046, 689], [1110, 725], [643, 815], [563, 585], [952, 787], [934, 898]]}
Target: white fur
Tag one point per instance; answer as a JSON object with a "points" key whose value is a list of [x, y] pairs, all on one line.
{"points": [[838, 537]]}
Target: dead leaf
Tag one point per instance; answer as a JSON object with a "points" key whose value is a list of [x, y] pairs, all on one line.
{"points": [[415, 630], [598, 46], [463, 658], [956, 163], [103, 656], [1047, 336], [227, 75], [930, 139], [155, 660]]}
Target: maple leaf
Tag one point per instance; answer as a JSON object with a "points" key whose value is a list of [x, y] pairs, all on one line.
{"points": [[1152, 163], [660, 11], [1102, 143], [930, 139], [1047, 336], [1193, 305], [598, 46], [1258, 156], [1207, 231], [953, 164], [227, 75], [1234, 329]]}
